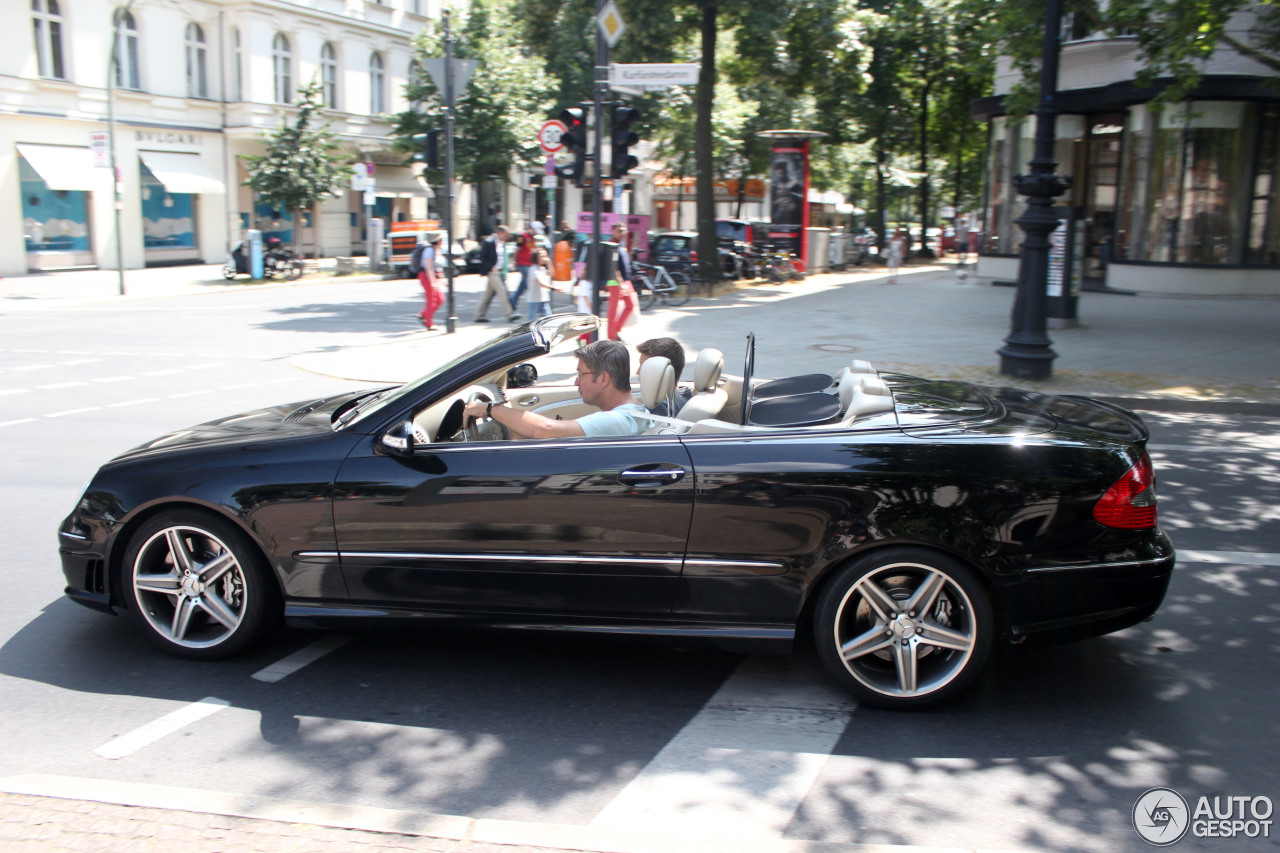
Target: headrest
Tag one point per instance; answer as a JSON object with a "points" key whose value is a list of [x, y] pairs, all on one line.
{"points": [[706, 370], [860, 366], [657, 381], [866, 383]]}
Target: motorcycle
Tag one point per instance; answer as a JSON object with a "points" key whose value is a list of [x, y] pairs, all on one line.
{"points": [[277, 261]]}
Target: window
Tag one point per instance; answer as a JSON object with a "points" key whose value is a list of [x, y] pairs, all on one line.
{"points": [[415, 80], [282, 69], [126, 62], [237, 69], [377, 85], [329, 76], [197, 74], [46, 19]]}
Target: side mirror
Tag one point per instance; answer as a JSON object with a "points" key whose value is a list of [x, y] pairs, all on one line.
{"points": [[398, 440], [522, 376]]}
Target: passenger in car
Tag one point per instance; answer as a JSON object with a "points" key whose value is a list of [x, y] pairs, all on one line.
{"points": [[670, 349], [604, 371]]}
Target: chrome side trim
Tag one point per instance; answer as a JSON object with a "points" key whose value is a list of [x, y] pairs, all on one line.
{"points": [[1120, 565], [539, 558]]}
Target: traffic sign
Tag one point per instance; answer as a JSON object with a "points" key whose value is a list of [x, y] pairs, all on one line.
{"points": [[654, 76], [611, 24], [549, 136]]}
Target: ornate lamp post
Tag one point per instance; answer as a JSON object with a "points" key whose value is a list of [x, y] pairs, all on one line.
{"points": [[1027, 353]]}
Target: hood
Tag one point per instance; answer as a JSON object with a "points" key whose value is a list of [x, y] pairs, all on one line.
{"points": [[276, 422]]}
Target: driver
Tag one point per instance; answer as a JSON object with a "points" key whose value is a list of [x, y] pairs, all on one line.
{"points": [[604, 369]]}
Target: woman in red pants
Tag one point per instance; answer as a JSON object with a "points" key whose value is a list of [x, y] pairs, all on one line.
{"points": [[620, 289], [427, 278]]}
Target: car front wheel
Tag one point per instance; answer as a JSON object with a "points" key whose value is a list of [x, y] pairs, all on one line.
{"points": [[197, 586], [904, 629]]}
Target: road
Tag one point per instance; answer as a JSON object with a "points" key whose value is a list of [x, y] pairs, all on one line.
{"points": [[1048, 752]]}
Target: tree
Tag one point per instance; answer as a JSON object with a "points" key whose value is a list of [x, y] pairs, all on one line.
{"points": [[303, 162]]}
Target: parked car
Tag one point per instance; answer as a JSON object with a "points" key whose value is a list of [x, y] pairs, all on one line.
{"points": [[912, 523], [679, 249]]}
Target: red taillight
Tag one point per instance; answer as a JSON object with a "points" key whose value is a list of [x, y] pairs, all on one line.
{"points": [[1130, 504]]}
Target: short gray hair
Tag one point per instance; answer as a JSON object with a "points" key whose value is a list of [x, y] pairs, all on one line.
{"points": [[611, 357]]}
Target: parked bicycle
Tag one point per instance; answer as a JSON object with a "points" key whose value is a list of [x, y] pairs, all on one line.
{"points": [[658, 282]]}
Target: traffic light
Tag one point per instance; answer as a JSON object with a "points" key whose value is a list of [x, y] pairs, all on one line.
{"points": [[429, 142], [574, 138], [622, 138]]}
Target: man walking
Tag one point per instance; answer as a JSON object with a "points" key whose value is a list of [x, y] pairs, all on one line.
{"points": [[490, 251]]}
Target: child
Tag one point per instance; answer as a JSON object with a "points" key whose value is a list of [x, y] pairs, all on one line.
{"points": [[539, 285]]}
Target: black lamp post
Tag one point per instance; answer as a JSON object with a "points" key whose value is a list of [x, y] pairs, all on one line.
{"points": [[1027, 353]]}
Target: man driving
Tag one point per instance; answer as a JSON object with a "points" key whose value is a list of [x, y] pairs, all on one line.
{"points": [[604, 371]]}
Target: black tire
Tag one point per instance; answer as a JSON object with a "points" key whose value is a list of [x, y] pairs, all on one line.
{"points": [[644, 291], [772, 275], [889, 655], [295, 270], [228, 272], [209, 599], [679, 295]]}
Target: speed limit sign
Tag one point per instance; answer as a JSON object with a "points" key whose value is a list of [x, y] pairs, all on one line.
{"points": [[549, 136]]}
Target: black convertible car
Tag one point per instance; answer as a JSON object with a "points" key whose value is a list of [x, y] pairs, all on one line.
{"points": [[912, 523]]}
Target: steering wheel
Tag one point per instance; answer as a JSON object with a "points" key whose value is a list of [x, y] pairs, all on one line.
{"points": [[471, 431], [748, 368]]}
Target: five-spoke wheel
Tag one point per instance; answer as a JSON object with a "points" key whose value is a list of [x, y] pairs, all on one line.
{"points": [[196, 585], [903, 628]]}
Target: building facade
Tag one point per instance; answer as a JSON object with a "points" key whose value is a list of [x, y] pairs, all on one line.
{"points": [[194, 86], [1179, 200]]}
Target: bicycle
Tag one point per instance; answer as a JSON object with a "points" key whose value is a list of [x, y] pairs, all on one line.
{"points": [[654, 282]]}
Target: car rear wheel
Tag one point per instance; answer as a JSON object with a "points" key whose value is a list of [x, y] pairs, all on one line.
{"points": [[904, 628], [197, 586]]}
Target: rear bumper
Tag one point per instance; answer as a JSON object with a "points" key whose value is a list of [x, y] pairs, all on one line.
{"points": [[1074, 602]]}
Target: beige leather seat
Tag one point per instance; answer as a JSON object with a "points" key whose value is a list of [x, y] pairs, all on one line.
{"points": [[863, 394], [657, 381], [708, 398]]}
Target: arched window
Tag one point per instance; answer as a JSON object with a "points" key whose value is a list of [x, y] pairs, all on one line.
{"points": [[46, 19], [329, 76], [197, 73], [415, 80], [377, 85], [127, 53], [282, 68]]}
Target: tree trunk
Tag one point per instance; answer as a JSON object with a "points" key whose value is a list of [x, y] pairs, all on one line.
{"points": [[924, 168], [708, 256]]}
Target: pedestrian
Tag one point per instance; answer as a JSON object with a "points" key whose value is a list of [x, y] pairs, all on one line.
{"points": [[540, 290], [621, 292], [897, 244], [962, 240], [423, 261], [491, 250], [525, 247]]}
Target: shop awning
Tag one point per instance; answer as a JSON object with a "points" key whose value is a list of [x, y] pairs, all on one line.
{"points": [[398, 182], [64, 167], [181, 173]]}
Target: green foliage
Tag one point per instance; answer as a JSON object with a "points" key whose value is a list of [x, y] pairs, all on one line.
{"points": [[498, 115], [303, 162]]}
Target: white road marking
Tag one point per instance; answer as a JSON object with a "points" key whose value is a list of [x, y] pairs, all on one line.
{"points": [[705, 783], [157, 729], [74, 362], [296, 661], [18, 421], [160, 373], [1242, 558], [190, 393], [31, 367], [116, 379], [58, 386], [132, 402], [73, 412], [13, 391]]}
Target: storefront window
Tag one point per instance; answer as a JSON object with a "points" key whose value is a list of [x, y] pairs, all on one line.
{"points": [[52, 220], [168, 219], [1264, 206]]}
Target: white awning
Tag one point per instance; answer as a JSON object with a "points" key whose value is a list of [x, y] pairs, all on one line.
{"points": [[181, 173], [398, 182], [64, 167]]}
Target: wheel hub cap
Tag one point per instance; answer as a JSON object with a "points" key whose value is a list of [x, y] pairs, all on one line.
{"points": [[903, 627], [191, 585]]}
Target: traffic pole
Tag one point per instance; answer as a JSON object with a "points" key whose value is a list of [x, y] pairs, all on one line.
{"points": [[451, 323]]}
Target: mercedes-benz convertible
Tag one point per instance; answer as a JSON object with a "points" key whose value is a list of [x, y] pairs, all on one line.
{"points": [[909, 523]]}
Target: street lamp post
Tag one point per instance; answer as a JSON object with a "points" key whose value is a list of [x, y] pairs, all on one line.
{"points": [[1027, 353], [117, 17]]}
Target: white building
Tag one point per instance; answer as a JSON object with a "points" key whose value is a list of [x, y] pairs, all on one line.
{"points": [[196, 85]]}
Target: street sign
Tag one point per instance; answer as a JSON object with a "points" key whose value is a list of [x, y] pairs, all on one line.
{"points": [[100, 145], [462, 71], [611, 24], [549, 136], [653, 76]]}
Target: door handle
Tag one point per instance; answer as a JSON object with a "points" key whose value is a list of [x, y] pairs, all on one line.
{"points": [[651, 476]]}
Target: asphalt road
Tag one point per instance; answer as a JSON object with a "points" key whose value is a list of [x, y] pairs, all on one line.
{"points": [[1048, 752]]}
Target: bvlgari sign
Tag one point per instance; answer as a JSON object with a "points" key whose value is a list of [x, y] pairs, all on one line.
{"points": [[169, 137]]}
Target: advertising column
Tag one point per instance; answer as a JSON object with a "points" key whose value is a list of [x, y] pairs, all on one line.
{"points": [[789, 210]]}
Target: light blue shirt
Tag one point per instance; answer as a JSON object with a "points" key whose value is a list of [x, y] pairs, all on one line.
{"points": [[627, 419]]}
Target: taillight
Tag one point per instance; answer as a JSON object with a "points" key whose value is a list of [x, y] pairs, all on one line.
{"points": [[693, 256], [1130, 504]]}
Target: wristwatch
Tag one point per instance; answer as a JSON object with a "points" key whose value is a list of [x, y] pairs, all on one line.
{"points": [[488, 410]]}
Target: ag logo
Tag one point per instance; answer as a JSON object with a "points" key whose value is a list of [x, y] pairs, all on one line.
{"points": [[1161, 817]]}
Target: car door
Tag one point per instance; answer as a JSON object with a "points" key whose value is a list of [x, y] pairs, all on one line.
{"points": [[590, 526]]}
